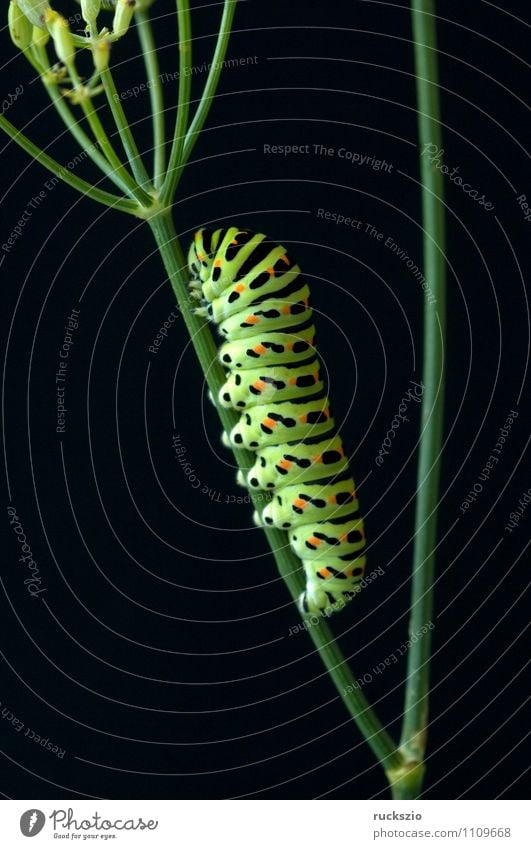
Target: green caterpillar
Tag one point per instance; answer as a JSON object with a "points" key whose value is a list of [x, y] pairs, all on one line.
{"points": [[259, 300]]}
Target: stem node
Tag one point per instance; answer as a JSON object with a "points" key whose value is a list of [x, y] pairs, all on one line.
{"points": [[406, 781]]}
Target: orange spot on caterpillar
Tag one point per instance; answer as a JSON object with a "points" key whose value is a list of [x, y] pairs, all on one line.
{"points": [[271, 271], [292, 381], [217, 263], [285, 464], [234, 242], [252, 319], [200, 256], [300, 503], [269, 423], [325, 573], [314, 541], [259, 349], [332, 499], [260, 385], [303, 419], [239, 288], [285, 259], [289, 346], [285, 310], [318, 458]]}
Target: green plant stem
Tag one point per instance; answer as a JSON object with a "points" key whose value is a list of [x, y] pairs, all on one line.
{"points": [[85, 142], [104, 142], [211, 84], [151, 62], [107, 198], [415, 721], [41, 65], [122, 124], [183, 105], [176, 166], [288, 564]]}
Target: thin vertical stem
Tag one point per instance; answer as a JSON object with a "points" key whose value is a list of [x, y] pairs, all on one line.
{"points": [[211, 85], [183, 106], [41, 64], [415, 721], [178, 157], [288, 564], [105, 144], [151, 62], [122, 124]]}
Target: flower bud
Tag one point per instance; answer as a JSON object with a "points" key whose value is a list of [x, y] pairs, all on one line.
{"points": [[123, 15], [100, 55], [40, 37], [59, 29], [90, 10], [20, 28], [35, 10]]}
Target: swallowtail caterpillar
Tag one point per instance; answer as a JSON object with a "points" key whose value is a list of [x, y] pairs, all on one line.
{"points": [[259, 300]]}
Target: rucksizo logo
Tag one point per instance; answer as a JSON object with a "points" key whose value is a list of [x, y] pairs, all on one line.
{"points": [[32, 822]]}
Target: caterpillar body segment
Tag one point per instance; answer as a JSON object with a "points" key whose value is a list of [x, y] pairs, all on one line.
{"points": [[251, 387], [256, 295], [315, 502], [274, 424], [270, 349], [304, 461]]}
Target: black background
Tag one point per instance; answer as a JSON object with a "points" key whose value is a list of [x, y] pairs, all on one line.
{"points": [[159, 656]]}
